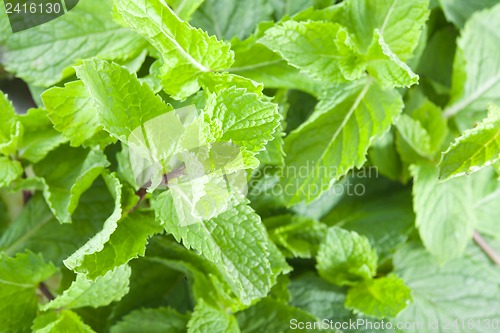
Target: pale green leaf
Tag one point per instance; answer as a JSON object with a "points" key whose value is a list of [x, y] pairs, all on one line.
{"points": [[185, 8], [60, 322], [336, 137], [207, 319], [414, 135], [464, 290], [384, 297], [346, 258], [476, 72], [400, 22], [10, 170], [94, 293], [72, 112], [323, 50], [39, 137], [11, 129], [159, 320], [19, 278], [445, 215], [127, 242], [65, 181], [459, 11], [231, 18], [474, 149], [43, 55], [385, 66], [235, 241], [186, 52]]}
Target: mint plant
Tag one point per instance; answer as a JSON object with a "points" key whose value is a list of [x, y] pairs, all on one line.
{"points": [[258, 166]]}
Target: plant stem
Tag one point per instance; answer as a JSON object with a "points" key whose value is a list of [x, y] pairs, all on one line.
{"points": [[45, 291], [490, 252]]}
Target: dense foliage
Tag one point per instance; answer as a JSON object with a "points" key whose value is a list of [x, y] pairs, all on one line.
{"points": [[253, 166]]}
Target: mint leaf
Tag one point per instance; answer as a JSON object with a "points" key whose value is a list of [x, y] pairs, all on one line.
{"points": [[206, 319], [235, 241], [380, 298], [157, 320], [323, 144], [87, 30], [464, 288], [399, 23], [9, 171], [10, 128], [476, 79], [63, 321], [346, 258], [474, 149], [95, 293], [19, 277], [71, 111], [323, 50], [185, 8], [459, 12], [127, 242], [445, 216], [65, 182], [187, 52]]}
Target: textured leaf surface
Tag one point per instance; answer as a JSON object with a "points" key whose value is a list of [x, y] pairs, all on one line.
{"points": [[323, 50], [19, 278], [474, 149], [94, 293], [206, 319], [336, 137], [60, 322], [9, 171], [43, 55], [445, 216], [158, 320], [464, 288], [235, 241], [346, 258], [10, 128], [380, 298], [476, 72], [459, 12], [186, 52]]}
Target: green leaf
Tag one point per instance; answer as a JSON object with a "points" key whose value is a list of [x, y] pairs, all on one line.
{"points": [[323, 50], [298, 236], [474, 149], [476, 77], [159, 320], [445, 216], [71, 111], [187, 52], [231, 18], [380, 298], [242, 117], [273, 316], [399, 22], [206, 319], [94, 293], [415, 136], [37, 229], [19, 277], [346, 258], [336, 137], [235, 241], [65, 181], [43, 55], [185, 8], [127, 242], [385, 66], [11, 129], [60, 322], [39, 136], [465, 288], [459, 12], [9, 171]]}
